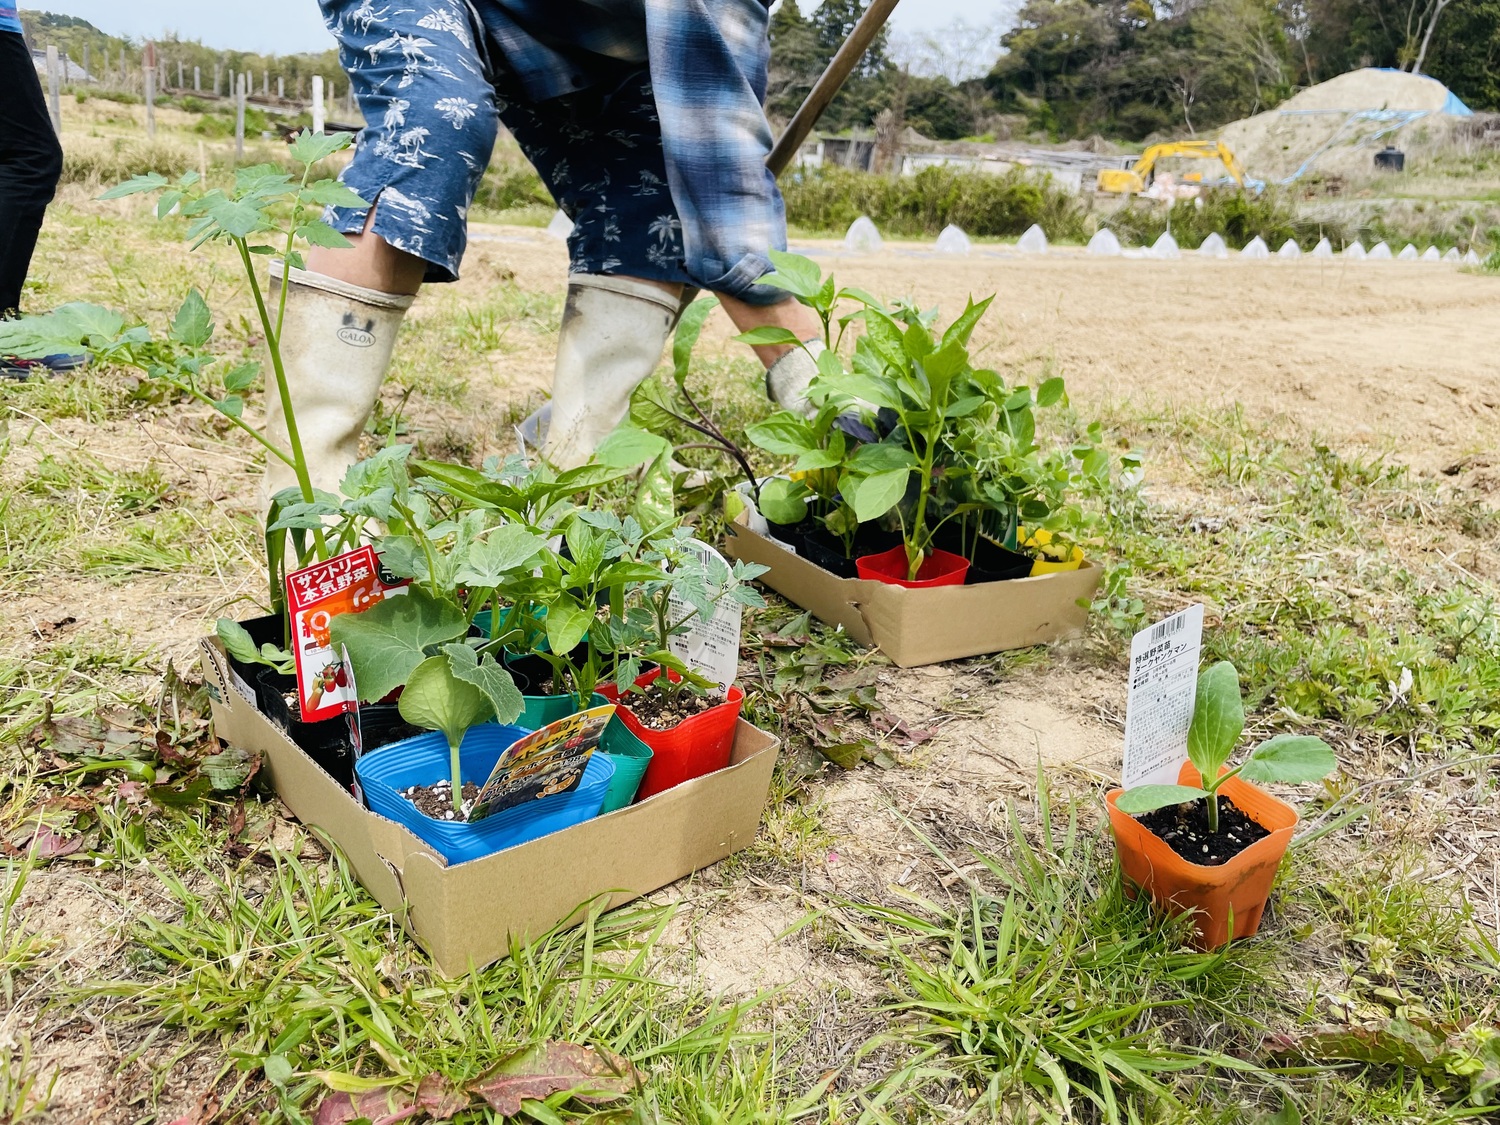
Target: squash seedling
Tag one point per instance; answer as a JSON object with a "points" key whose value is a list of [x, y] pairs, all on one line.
{"points": [[1218, 721]]}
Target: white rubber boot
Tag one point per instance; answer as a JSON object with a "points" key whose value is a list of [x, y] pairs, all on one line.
{"points": [[613, 332], [788, 378], [335, 345]]}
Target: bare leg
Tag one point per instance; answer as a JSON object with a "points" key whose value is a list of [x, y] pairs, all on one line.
{"points": [[792, 315], [372, 263]]}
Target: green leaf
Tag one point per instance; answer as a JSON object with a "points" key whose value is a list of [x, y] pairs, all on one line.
{"points": [[794, 273], [135, 185], [1051, 391], [403, 556], [567, 624], [961, 329], [387, 641], [649, 410], [236, 641], [628, 447], [878, 494], [769, 335], [689, 328], [504, 551], [231, 406], [878, 457], [310, 147], [319, 233], [1291, 759], [238, 218], [278, 1070], [228, 769], [1148, 798], [242, 376], [818, 459], [331, 193], [655, 501], [783, 433], [436, 699], [1218, 719], [489, 677], [784, 501]]}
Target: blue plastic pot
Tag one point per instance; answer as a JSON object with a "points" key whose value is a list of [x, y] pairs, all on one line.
{"points": [[424, 760]]}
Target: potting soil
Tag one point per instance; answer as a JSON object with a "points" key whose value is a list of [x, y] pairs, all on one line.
{"points": [[1185, 829], [663, 711], [436, 800]]}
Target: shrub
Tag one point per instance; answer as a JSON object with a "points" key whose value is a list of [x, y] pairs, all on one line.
{"points": [[982, 204]]}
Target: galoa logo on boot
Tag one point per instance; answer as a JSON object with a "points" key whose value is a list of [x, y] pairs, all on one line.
{"points": [[351, 333]]}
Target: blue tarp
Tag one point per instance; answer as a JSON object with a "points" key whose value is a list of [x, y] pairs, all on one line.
{"points": [[1453, 107]]}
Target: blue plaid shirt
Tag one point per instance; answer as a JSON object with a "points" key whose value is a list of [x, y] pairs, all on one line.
{"points": [[562, 70]]}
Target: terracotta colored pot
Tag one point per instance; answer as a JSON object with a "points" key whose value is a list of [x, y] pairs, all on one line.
{"points": [[940, 568], [694, 747], [1230, 894]]}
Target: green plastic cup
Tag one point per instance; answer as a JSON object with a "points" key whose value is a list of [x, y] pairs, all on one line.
{"points": [[631, 756]]}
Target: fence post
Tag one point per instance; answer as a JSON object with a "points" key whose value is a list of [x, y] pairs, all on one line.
{"points": [[85, 60], [281, 87], [149, 70], [54, 94], [197, 80], [317, 103], [265, 83], [239, 117], [217, 74]]}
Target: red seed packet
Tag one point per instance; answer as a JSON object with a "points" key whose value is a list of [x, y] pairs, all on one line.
{"points": [[348, 583]]}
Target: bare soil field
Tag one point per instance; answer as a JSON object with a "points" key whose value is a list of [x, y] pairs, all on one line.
{"points": [[1389, 369]]}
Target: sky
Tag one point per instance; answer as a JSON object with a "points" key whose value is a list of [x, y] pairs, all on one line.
{"points": [[290, 26]]}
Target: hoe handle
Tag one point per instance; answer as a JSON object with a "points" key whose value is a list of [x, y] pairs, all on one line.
{"points": [[829, 84]]}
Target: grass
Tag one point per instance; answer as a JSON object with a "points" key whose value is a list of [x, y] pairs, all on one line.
{"points": [[1008, 979]]}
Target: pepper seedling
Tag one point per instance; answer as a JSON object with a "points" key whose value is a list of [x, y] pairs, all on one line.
{"points": [[1218, 721]]}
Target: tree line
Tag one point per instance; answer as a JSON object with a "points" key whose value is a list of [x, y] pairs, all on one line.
{"points": [[1131, 68]]}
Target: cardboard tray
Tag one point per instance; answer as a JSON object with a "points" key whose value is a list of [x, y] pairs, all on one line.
{"points": [[928, 626], [466, 914]]}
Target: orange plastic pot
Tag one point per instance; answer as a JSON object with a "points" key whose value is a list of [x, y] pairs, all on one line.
{"points": [[694, 747], [940, 568], [1227, 900]]}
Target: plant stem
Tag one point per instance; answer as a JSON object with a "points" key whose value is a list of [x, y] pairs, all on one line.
{"points": [[453, 769], [289, 414]]}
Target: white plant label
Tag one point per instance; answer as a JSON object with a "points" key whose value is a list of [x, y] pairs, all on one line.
{"points": [[710, 647], [1163, 683]]}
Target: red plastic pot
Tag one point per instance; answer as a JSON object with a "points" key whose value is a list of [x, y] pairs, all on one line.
{"points": [[694, 747], [940, 568]]}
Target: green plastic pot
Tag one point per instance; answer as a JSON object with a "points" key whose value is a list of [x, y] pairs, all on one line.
{"points": [[631, 756]]}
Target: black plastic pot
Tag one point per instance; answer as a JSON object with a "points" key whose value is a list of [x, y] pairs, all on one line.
{"points": [[327, 741], [790, 533], [263, 630], [988, 561], [824, 549]]}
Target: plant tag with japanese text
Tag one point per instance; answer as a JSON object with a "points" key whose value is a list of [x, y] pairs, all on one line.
{"points": [[347, 583], [1163, 683], [711, 646]]}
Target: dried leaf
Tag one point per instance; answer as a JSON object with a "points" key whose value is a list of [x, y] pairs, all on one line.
{"points": [[385, 1105], [846, 755], [552, 1067], [1393, 1042], [47, 844], [169, 753], [206, 1109]]}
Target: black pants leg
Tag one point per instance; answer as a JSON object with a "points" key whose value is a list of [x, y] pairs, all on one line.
{"points": [[30, 165]]}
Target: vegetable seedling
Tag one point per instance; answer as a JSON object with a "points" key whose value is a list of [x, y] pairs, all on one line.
{"points": [[1218, 721]]}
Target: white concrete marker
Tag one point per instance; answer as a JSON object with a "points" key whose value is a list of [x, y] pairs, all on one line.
{"points": [[1471, 259], [1355, 251], [1213, 247], [1289, 249], [862, 237], [1381, 253], [1256, 248], [1409, 254], [1034, 241], [1453, 255], [1165, 247], [1104, 244], [1324, 249], [953, 241], [1432, 254]]}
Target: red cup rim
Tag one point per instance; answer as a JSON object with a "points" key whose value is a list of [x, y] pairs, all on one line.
{"points": [[889, 566]]}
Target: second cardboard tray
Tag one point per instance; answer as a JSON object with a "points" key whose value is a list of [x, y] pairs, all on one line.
{"points": [[915, 627]]}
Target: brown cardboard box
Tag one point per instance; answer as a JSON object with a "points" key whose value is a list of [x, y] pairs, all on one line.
{"points": [[466, 914], [915, 627]]}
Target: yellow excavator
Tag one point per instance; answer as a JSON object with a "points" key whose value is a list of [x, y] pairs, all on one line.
{"points": [[1133, 180]]}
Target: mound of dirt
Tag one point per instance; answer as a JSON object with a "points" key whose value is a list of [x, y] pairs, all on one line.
{"points": [[1319, 124]]}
